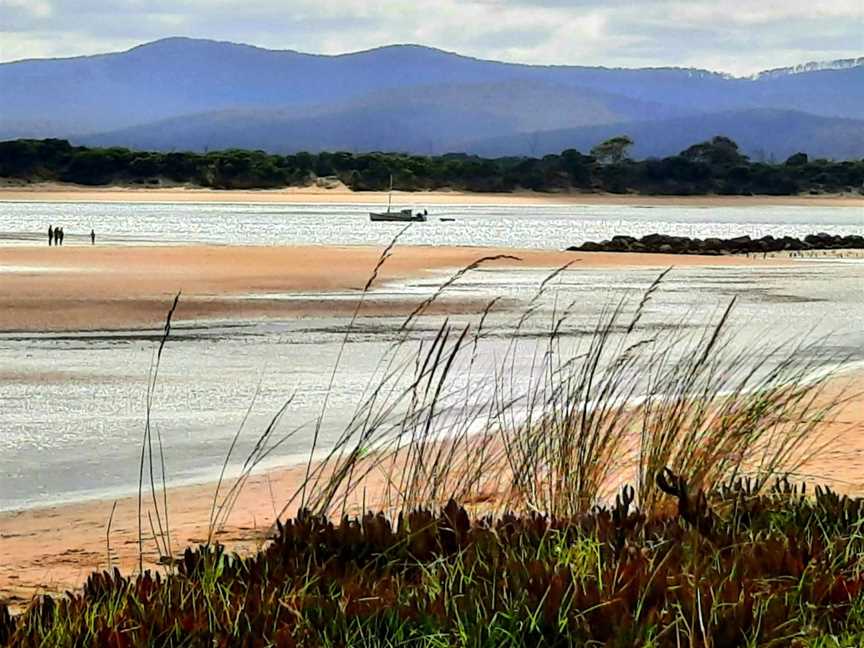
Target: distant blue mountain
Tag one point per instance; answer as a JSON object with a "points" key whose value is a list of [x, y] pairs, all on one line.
{"points": [[426, 119], [181, 93], [762, 133]]}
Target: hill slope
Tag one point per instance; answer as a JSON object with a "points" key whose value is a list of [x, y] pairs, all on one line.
{"points": [[424, 94], [761, 133], [425, 119]]}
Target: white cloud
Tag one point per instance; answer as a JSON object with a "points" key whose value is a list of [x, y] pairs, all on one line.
{"points": [[736, 35], [34, 8]]}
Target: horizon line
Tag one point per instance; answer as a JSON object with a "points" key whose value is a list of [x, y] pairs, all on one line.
{"points": [[805, 66]]}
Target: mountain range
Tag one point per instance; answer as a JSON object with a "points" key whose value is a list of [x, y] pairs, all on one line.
{"points": [[191, 94]]}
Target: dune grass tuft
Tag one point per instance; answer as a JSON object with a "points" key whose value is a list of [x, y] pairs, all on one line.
{"points": [[627, 485]]}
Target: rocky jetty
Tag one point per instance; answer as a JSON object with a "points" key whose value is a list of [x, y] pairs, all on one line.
{"points": [[665, 244]]}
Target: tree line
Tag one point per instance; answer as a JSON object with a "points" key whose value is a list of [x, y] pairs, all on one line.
{"points": [[716, 166]]}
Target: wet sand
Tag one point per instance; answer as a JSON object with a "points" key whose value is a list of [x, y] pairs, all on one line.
{"points": [[81, 287], [57, 192], [77, 288], [53, 549]]}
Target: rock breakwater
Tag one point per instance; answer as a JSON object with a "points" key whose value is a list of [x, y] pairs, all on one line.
{"points": [[666, 244]]}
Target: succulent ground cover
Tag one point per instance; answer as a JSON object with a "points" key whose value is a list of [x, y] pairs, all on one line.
{"points": [[733, 567]]}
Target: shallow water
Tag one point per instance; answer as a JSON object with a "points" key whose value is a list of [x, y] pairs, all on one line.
{"points": [[74, 405], [542, 226]]}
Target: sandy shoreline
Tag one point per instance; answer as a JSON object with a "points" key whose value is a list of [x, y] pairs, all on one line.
{"points": [[53, 549], [53, 192], [77, 288], [82, 287]]}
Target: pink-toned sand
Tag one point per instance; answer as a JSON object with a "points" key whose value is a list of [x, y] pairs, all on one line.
{"points": [[103, 287], [54, 549]]}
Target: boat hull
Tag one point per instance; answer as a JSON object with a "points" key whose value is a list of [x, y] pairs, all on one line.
{"points": [[404, 216]]}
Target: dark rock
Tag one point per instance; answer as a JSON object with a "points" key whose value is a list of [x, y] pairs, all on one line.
{"points": [[664, 243], [738, 244], [653, 239], [591, 247], [793, 244], [622, 243], [821, 240], [712, 245]]}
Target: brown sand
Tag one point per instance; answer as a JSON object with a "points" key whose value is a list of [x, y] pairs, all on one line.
{"points": [[58, 192], [54, 549], [109, 288]]}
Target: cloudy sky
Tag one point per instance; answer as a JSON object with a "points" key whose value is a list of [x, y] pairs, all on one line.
{"points": [[738, 36]]}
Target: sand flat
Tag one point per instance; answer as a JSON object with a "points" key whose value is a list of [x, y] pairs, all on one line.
{"points": [[55, 548], [84, 287], [58, 192], [120, 287]]}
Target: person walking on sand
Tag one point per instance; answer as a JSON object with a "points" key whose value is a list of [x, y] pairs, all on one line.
{"points": [[50, 236], [92, 237], [58, 236]]}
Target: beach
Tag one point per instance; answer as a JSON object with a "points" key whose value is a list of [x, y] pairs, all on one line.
{"points": [[79, 289], [57, 192], [493, 324], [56, 548], [76, 288]]}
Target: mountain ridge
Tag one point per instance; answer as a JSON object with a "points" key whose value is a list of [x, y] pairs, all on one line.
{"points": [[761, 133], [108, 98], [808, 66], [454, 108], [811, 66]]}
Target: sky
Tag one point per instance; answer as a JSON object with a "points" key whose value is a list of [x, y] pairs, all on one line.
{"points": [[734, 36]]}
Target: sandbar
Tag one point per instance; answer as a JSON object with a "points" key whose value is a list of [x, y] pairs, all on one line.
{"points": [[86, 288], [59, 192]]}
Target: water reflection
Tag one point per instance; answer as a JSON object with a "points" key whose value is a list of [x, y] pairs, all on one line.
{"points": [[541, 226], [73, 405]]}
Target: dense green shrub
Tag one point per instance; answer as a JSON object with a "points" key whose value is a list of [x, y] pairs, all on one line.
{"points": [[715, 166]]}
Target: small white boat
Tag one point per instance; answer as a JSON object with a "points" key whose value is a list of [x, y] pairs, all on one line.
{"points": [[402, 216], [399, 216]]}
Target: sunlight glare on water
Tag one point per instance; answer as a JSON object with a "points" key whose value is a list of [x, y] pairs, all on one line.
{"points": [[74, 404], [540, 226]]}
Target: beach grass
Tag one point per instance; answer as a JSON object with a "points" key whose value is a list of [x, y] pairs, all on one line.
{"points": [[636, 487]]}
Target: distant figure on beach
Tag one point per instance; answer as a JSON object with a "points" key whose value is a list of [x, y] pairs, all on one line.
{"points": [[58, 236], [50, 236], [92, 237]]}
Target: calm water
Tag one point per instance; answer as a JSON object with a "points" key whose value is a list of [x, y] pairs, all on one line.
{"points": [[74, 405], [511, 226]]}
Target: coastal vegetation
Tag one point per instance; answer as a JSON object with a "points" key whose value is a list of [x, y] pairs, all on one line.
{"points": [[716, 166], [781, 569], [640, 488]]}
